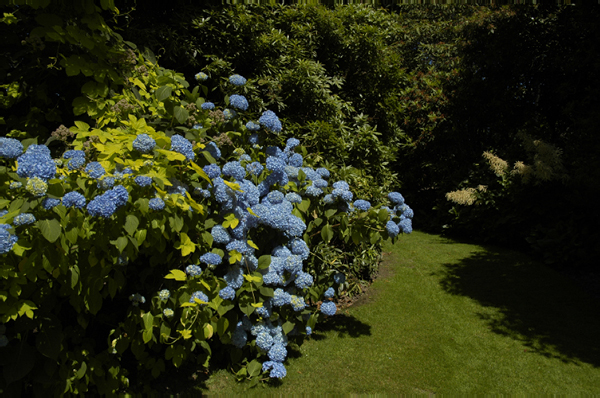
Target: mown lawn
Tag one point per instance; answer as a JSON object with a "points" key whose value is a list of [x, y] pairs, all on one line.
{"points": [[449, 317]]}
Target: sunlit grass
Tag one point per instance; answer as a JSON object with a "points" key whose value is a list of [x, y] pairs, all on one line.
{"points": [[449, 317]]}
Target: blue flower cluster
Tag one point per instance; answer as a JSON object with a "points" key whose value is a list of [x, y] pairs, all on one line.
{"points": [[95, 170], [24, 219], [238, 102], [270, 121], [106, 204], [402, 212], [144, 143], [201, 76], [200, 296], [183, 146], [328, 308], [237, 80], [76, 159], [10, 148], [36, 162], [74, 199], [36, 186], [7, 240], [253, 127], [207, 106], [156, 204]]}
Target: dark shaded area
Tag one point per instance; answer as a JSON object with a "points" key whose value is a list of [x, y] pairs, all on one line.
{"points": [[539, 307], [344, 325]]}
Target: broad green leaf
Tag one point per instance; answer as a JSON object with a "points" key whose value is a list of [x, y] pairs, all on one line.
{"points": [[176, 274], [120, 243], [162, 93], [264, 261], [222, 326], [329, 213], [233, 185], [131, 224], [234, 256], [287, 327], [254, 368], [50, 229], [304, 205], [252, 244], [327, 233], [208, 331], [180, 114]]}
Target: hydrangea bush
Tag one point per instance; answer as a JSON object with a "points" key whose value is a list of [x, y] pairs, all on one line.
{"points": [[166, 236]]}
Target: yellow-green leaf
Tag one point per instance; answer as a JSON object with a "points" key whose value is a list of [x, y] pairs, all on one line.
{"points": [[252, 244], [199, 170], [176, 274], [186, 245], [186, 333], [234, 186]]}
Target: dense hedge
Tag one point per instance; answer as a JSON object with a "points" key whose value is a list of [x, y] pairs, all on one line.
{"points": [[165, 230], [441, 86]]}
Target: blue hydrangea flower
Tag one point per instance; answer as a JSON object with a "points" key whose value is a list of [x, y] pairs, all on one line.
{"points": [[143, 181], [106, 183], [212, 170], [168, 312], [304, 280], [235, 170], [408, 212], [254, 168], [329, 293], [277, 353], [95, 170], [339, 278], [200, 296], [36, 162], [156, 204], [253, 127], [49, 203], [36, 186], [277, 370], [7, 240], [137, 299], [237, 80], [328, 308], [270, 121], [406, 225], [292, 143], [15, 185], [227, 293], [201, 76], [240, 337], [347, 196], [193, 270], [281, 298], [293, 197], [210, 259], [296, 160], [275, 197], [266, 310], [144, 143], [328, 199], [297, 303], [24, 219], [220, 235], [238, 102], [74, 199], [119, 195], [229, 114], [182, 145], [197, 126], [362, 205], [314, 191], [10, 148], [320, 183], [102, 205], [234, 278], [213, 149], [275, 164], [392, 229], [208, 106], [343, 185], [164, 294], [324, 173], [308, 330], [253, 139], [396, 198], [264, 340]]}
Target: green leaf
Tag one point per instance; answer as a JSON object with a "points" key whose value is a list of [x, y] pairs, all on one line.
{"points": [[48, 341], [81, 372], [329, 213], [287, 327], [304, 205], [234, 256], [327, 233], [222, 326], [181, 114], [50, 229], [131, 224], [176, 274], [254, 368], [22, 359], [383, 215], [185, 245], [148, 326], [162, 93], [120, 243], [264, 261]]}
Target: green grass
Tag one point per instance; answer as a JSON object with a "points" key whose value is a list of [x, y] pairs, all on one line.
{"points": [[449, 317]]}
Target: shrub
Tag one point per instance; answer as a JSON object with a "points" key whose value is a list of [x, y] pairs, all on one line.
{"points": [[169, 235]]}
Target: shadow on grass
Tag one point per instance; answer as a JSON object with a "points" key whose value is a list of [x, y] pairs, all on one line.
{"points": [[531, 303], [344, 325]]}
